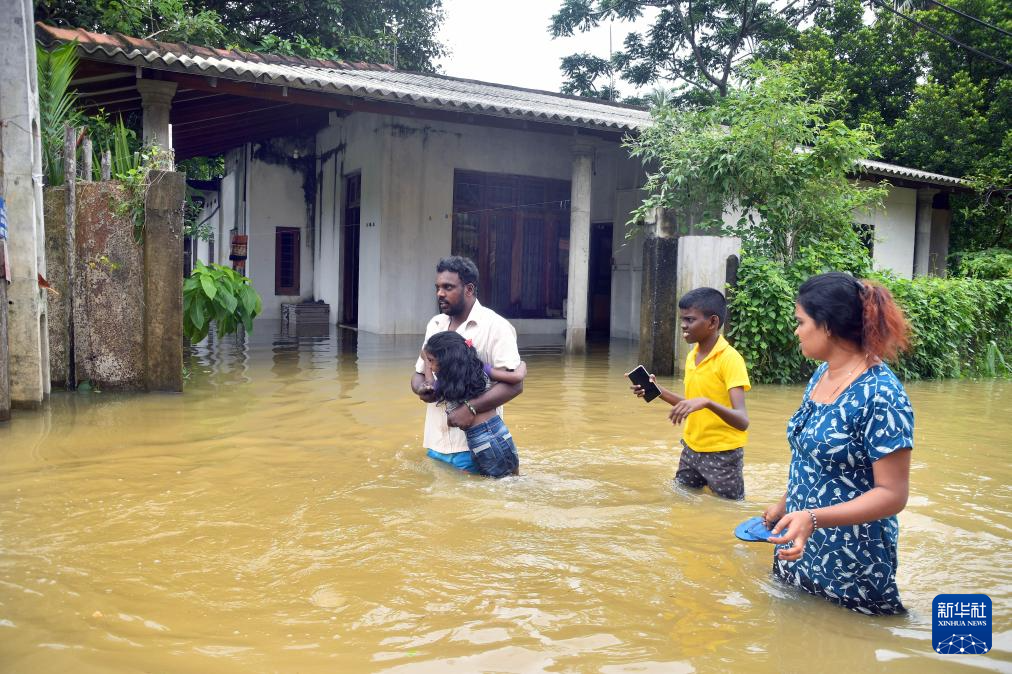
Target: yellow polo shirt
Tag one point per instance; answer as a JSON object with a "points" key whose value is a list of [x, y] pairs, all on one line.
{"points": [[722, 370]]}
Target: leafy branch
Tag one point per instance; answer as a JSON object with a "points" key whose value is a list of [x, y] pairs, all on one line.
{"points": [[217, 293]]}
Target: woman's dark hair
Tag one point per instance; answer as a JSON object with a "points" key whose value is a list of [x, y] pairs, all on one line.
{"points": [[861, 312], [461, 372]]}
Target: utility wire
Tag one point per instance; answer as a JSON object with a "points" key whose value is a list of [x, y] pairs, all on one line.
{"points": [[941, 34], [971, 18]]}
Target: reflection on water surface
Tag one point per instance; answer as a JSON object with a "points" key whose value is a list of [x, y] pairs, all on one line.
{"points": [[281, 516]]}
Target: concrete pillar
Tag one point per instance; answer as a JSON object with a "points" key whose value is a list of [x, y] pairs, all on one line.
{"points": [[21, 187], [156, 100], [922, 231], [579, 249], [163, 281], [659, 296]]}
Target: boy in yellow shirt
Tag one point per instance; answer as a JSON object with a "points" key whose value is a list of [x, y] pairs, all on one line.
{"points": [[713, 409]]}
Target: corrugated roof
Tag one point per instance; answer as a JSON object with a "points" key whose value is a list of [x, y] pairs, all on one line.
{"points": [[368, 81], [384, 83], [893, 170]]}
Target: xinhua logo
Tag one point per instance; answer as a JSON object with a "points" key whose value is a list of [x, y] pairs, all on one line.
{"points": [[961, 624]]}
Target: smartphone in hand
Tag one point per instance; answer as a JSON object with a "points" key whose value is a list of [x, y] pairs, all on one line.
{"points": [[640, 377]]}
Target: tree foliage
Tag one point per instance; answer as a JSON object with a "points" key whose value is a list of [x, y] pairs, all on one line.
{"points": [[699, 47], [933, 104], [382, 31], [56, 105], [765, 151], [960, 326]]}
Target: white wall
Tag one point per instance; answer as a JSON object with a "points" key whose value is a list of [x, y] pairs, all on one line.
{"points": [[276, 199], [367, 152], [702, 263], [330, 189], [894, 231]]}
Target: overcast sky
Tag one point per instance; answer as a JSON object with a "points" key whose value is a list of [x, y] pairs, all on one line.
{"points": [[509, 43]]}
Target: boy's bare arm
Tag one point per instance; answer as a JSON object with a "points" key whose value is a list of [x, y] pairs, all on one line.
{"points": [[670, 397], [735, 416]]}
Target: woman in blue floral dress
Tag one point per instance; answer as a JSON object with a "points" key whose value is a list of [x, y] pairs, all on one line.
{"points": [[835, 528]]}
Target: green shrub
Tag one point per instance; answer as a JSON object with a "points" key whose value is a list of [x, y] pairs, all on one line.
{"points": [[960, 326], [761, 307], [217, 293], [993, 263], [955, 323]]}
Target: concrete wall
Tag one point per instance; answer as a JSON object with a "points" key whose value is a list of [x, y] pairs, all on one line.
{"points": [[367, 141], [702, 262], [281, 176], [54, 201], [327, 270], [127, 296], [894, 231], [109, 312], [115, 309]]}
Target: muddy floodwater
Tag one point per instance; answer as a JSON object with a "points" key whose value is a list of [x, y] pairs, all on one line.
{"points": [[281, 516]]}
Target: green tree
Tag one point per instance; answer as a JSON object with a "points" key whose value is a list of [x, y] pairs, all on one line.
{"points": [[873, 66], [933, 104], [380, 31], [944, 129], [699, 47], [768, 151]]}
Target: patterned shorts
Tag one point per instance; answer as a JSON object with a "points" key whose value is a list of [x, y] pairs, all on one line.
{"points": [[722, 472]]}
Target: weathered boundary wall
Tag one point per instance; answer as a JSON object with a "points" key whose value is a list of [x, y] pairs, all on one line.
{"points": [[5, 381], [127, 296]]}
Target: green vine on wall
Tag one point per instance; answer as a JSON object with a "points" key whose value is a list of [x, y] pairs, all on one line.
{"points": [[136, 180]]}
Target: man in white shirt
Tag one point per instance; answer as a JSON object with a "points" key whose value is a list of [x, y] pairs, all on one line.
{"points": [[494, 339]]}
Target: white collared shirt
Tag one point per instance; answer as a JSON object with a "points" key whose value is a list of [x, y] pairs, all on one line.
{"points": [[495, 339]]}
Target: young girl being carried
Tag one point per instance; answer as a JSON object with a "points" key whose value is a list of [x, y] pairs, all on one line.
{"points": [[456, 373]]}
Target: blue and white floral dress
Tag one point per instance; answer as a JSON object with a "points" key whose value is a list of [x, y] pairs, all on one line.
{"points": [[833, 447]]}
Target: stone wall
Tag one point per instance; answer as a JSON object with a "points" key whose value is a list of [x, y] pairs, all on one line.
{"points": [[54, 206], [113, 277]]}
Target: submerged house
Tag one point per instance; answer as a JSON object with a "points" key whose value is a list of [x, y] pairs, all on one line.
{"points": [[349, 181]]}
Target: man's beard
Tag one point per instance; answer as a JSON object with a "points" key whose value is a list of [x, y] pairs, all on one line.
{"points": [[451, 309]]}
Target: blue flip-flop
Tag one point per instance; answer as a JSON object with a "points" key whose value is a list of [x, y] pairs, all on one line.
{"points": [[753, 530]]}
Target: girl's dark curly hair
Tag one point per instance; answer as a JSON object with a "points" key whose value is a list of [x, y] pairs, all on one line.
{"points": [[461, 373]]}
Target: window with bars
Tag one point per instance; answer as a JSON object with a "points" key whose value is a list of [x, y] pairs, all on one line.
{"points": [[286, 260], [516, 229]]}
